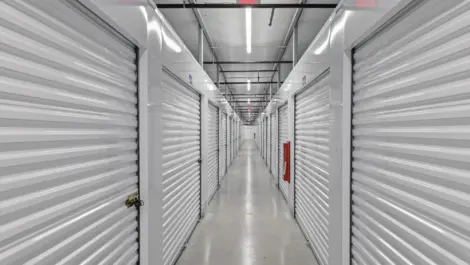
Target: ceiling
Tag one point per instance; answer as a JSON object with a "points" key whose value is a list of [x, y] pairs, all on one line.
{"points": [[226, 28]]}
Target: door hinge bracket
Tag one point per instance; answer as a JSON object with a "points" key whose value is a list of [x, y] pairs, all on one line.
{"points": [[134, 200]]}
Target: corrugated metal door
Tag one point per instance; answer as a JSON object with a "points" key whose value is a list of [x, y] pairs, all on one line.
{"points": [[230, 146], [411, 145], [313, 118], [283, 137], [223, 162], [213, 149], [273, 144], [238, 135], [234, 139], [262, 138], [181, 164], [266, 138], [68, 145], [258, 136], [270, 133]]}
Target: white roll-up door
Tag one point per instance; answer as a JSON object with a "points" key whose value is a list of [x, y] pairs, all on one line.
{"points": [[238, 135], [234, 138], [181, 164], [259, 137], [262, 138], [283, 137], [313, 118], [223, 161], [68, 144], [266, 139], [230, 146], [270, 132], [213, 149], [411, 144], [273, 145]]}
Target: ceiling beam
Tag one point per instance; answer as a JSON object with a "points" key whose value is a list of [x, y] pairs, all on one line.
{"points": [[244, 83], [288, 36], [250, 95], [249, 62], [202, 25], [230, 5], [248, 71], [245, 101]]}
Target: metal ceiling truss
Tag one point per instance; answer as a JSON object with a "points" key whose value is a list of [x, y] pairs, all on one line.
{"points": [[287, 38], [249, 62], [251, 95], [230, 5], [253, 83], [248, 71], [276, 68], [202, 26]]}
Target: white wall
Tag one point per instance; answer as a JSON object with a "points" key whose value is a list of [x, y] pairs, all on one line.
{"points": [[248, 132]]}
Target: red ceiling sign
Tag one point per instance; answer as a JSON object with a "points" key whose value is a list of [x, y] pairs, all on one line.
{"points": [[365, 3], [249, 108], [248, 2]]}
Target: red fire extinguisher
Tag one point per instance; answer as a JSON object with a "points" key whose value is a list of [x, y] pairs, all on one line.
{"points": [[287, 161]]}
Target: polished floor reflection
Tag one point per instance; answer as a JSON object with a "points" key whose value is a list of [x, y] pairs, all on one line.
{"points": [[247, 222]]}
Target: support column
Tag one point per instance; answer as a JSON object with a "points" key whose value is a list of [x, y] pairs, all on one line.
{"points": [[270, 92], [201, 46], [279, 78], [340, 81], [218, 77], [291, 138], [151, 145], [295, 46]]}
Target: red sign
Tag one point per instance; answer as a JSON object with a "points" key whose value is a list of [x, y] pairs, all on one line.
{"points": [[365, 3], [249, 108], [287, 161], [248, 2]]}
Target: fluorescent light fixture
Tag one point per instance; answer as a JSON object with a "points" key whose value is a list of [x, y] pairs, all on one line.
{"points": [[248, 29], [248, 101], [248, 84]]}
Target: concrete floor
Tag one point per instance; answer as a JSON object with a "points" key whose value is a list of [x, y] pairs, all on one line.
{"points": [[247, 222]]}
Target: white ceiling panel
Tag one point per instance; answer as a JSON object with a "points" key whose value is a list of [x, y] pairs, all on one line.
{"points": [[227, 30], [185, 24]]}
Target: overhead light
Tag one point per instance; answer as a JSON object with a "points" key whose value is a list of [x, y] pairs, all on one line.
{"points": [[248, 84], [248, 101], [248, 29]]}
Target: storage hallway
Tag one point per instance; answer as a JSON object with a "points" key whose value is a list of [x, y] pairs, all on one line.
{"points": [[165, 132]]}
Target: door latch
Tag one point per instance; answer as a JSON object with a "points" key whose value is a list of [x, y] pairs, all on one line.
{"points": [[134, 200]]}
